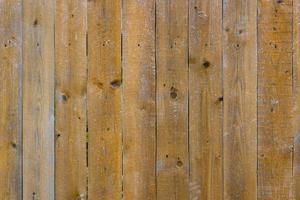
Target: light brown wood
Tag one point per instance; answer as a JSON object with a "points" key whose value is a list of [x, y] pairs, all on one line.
{"points": [[275, 100], [172, 99], [205, 99], [38, 99], [240, 105], [296, 93], [70, 99], [139, 105], [104, 100], [11, 100]]}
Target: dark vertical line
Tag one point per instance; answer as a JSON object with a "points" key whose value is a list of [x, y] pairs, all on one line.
{"points": [[54, 103], [86, 100], [21, 101], [224, 99], [293, 85], [122, 102], [257, 44], [188, 102], [155, 60]]}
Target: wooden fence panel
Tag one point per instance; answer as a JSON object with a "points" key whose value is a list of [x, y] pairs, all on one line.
{"points": [[149, 99], [172, 168], [240, 114], [11, 100], [38, 99], [70, 99], [104, 100]]}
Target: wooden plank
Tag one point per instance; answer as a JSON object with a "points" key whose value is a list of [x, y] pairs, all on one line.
{"points": [[139, 104], [38, 99], [296, 93], [172, 99], [240, 102], [275, 103], [11, 100], [70, 99], [104, 100], [205, 99]]}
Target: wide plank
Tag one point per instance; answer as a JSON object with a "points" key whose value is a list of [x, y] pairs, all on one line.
{"points": [[205, 99], [38, 99], [70, 99], [104, 100], [172, 99], [240, 101], [139, 100], [11, 100], [275, 101]]}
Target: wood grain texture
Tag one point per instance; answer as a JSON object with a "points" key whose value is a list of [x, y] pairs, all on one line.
{"points": [[275, 100], [139, 104], [240, 114], [38, 99], [11, 100], [172, 99], [205, 99], [296, 93], [104, 100], [70, 99]]}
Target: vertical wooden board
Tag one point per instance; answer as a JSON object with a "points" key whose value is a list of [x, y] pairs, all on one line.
{"points": [[139, 104], [296, 93], [240, 106], [172, 99], [205, 99], [275, 100], [104, 100], [38, 99], [70, 99], [10, 100]]}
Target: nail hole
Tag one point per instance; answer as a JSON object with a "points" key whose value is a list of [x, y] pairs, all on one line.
{"points": [[35, 23], [64, 97], [115, 83], [206, 64], [14, 145]]}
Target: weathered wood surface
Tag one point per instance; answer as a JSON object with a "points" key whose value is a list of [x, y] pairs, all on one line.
{"points": [[275, 100], [205, 99], [172, 165], [104, 100], [139, 100], [149, 99], [240, 110], [70, 99], [38, 99], [11, 100]]}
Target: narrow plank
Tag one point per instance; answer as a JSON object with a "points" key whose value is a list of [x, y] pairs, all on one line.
{"points": [[205, 99], [11, 100], [104, 100], [240, 101], [70, 99], [139, 104], [275, 102], [172, 99], [296, 93], [38, 99]]}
